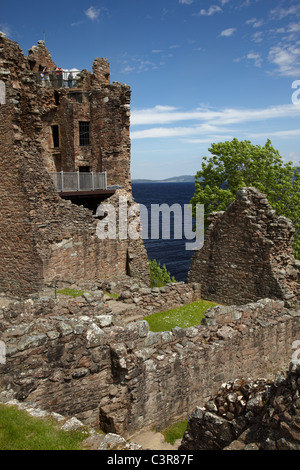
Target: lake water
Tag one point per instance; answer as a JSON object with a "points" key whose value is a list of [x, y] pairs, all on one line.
{"points": [[172, 252]]}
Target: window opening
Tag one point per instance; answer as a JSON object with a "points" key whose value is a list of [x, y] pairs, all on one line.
{"points": [[55, 136], [84, 169], [56, 97], [32, 64], [84, 133], [77, 97], [57, 162]]}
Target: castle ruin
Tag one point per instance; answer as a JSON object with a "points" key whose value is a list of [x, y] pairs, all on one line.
{"points": [[65, 148]]}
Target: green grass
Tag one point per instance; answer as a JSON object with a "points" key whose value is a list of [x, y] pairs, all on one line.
{"points": [[113, 296], [184, 317], [174, 432], [20, 431], [72, 292]]}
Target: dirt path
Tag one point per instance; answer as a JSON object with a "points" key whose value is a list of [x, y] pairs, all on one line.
{"points": [[154, 441]]}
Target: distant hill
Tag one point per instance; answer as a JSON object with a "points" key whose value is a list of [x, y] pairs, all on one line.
{"points": [[174, 179]]}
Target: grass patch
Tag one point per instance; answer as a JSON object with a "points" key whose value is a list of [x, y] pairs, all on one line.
{"points": [[20, 431], [184, 317], [112, 296], [72, 292], [174, 432]]}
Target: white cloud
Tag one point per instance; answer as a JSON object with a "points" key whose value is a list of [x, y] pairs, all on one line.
{"points": [[127, 69], [204, 121], [211, 11], [258, 23], [93, 13], [293, 157], [286, 59], [5, 28], [257, 37], [168, 114], [246, 3], [255, 22], [293, 27], [163, 132], [186, 2], [159, 114], [283, 134], [209, 140], [279, 13], [78, 23], [228, 32], [140, 64], [256, 58]]}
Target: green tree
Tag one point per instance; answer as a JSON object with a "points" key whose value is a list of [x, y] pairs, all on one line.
{"points": [[159, 276], [236, 164]]}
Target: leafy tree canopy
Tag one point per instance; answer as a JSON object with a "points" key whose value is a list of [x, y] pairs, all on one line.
{"points": [[236, 164]]}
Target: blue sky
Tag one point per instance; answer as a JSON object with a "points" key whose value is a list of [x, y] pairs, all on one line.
{"points": [[200, 71]]}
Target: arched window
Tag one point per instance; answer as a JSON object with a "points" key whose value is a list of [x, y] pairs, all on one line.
{"points": [[2, 92]]}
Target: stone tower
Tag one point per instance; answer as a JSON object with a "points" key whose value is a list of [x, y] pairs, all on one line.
{"points": [[47, 126]]}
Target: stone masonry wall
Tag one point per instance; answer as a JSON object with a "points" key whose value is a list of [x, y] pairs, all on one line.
{"points": [[111, 104], [247, 254], [147, 300], [19, 257], [39, 58], [79, 359], [80, 255]]}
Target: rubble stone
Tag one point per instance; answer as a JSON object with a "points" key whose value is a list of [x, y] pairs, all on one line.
{"points": [[265, 416]]}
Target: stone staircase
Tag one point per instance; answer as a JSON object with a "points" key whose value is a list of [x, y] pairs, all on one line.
{"points": [[127, 312]]}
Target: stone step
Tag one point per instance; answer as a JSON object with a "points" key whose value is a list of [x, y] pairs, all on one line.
{"points": [[132, 318]]}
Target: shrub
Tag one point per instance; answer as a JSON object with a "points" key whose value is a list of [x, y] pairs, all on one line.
{"points": [[159, 276]]}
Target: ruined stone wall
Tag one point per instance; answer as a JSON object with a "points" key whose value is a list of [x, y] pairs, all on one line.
{"points": [[247, 254], [111, 104], [20, 261], [108, 111], [78, 358], [249, 414], [43, 236], [101, 72], [39, 58], [71, 249], [147, 300]]}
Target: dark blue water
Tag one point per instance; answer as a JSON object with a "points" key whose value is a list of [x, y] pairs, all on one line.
{"points": [[170, 252]]}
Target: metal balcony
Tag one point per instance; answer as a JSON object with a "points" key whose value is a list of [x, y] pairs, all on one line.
{"points": [[79, 181]]}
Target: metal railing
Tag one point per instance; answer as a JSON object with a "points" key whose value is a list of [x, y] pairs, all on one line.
{"points": [[54, 80], [79, 181]]}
